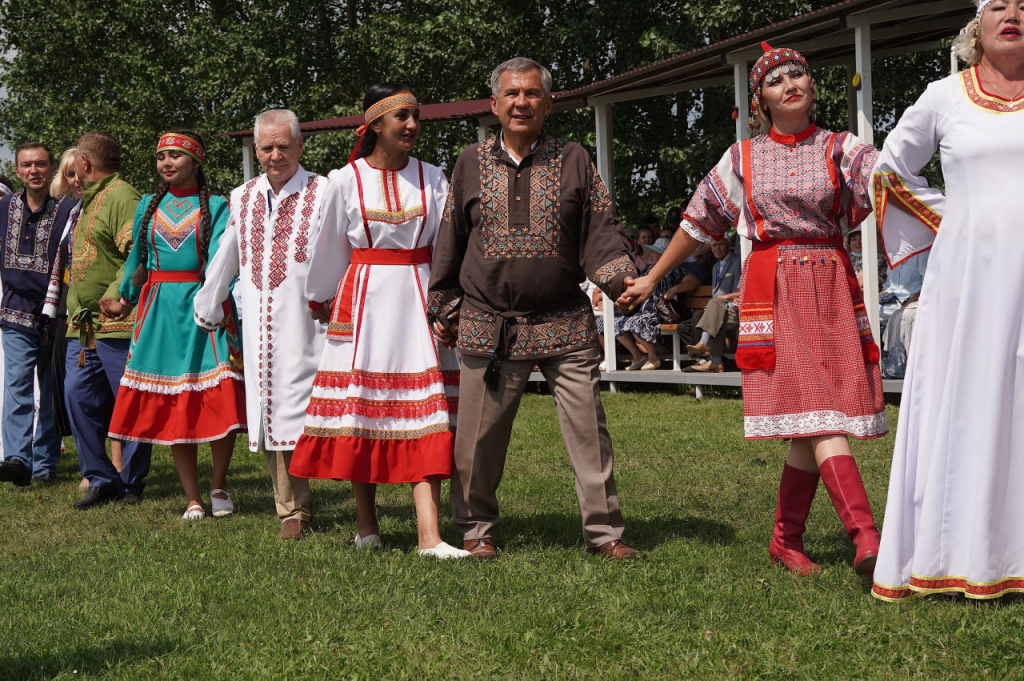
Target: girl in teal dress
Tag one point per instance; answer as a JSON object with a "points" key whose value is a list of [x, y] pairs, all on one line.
{"points": [[182, 385]]}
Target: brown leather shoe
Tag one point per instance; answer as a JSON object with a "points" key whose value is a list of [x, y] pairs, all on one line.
{"points": [[617, 549], [483, 548], [707, 367], [293, 528], [698, 350]]}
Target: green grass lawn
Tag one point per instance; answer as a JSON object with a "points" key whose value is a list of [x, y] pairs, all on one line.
{"points": [[138, 593]]}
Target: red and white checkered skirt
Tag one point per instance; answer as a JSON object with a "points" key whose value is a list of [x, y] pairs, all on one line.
{"points": [[820, 384]]}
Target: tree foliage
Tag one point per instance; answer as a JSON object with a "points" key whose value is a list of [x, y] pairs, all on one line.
{"points": [[136, 68]]}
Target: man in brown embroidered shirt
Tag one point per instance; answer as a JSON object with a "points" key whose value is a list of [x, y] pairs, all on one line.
{"points": [[528, 218]]}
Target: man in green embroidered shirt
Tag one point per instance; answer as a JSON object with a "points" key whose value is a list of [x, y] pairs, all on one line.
{"points": [[99, 326]]}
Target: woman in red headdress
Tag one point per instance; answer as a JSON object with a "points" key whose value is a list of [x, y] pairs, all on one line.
{"points": [[182, 385], [809, 363]]}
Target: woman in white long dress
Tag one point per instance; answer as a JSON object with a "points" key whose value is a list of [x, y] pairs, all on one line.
{"points": [[956, 494], [385, 394]]}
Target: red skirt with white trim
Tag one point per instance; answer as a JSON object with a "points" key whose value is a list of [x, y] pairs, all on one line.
{"points": [[186, 415], [821, 384]]}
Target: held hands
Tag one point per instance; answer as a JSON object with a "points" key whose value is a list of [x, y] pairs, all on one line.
{"points": [[114, 310], [446, 330], [322, 314], [635, 292]]}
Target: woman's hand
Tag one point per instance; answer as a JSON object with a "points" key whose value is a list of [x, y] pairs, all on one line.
{"points": [[637, 291]]}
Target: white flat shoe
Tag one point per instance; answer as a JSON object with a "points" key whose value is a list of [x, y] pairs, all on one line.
{"points": [[370, 542], [221, 507], [194, 512], [444, 551]]}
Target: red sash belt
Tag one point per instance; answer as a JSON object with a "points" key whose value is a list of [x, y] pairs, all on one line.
{"points": [[172, 277], [391, 256], [756, 346]]}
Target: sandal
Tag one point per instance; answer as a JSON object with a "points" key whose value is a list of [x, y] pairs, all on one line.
{"points": [[221, 507], [195, 511]]}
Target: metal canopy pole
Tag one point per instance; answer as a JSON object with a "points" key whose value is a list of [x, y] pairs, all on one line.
{"points": [[248, 168], [603, 129], [866, 131], [739, 75]]}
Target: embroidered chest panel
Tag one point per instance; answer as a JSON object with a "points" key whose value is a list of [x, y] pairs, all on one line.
{"points": [[300, 206], [392, 210], [84, 252], [973, 89], [794, 187], [176, 221], [28, 251], [540, 235]]}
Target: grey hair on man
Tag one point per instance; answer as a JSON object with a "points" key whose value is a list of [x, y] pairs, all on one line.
{"points": [[519, 65], [276, 117]]}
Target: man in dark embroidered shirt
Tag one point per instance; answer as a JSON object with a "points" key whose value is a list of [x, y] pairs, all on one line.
{"points": [[528, 218], [31, 222]]}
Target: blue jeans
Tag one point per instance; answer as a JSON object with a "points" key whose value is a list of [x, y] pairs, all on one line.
{"points": [[90, 391], [25, 358]]}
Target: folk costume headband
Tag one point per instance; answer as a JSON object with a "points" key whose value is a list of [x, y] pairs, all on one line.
{"points": [[182, 143], [402, 100], [772, 64], [981, 7]]}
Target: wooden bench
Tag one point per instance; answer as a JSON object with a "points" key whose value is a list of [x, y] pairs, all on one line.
{"points": [[696, 299]]}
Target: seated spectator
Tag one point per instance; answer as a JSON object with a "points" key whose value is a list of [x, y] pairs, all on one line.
{"points": [[898, 310], [639, 332], [672, 221], [854, 241], [645, 236], [721, 316]]}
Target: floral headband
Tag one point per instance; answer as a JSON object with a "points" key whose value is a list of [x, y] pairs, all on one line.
{"points": [[771, 65], [981, 7], [183, 143]]}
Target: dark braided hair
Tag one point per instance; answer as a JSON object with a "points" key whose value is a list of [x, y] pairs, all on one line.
{"points": [[366, 143], [205, 219]]}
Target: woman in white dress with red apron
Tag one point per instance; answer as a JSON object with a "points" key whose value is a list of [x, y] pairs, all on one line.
{"points": [[385, 396]]}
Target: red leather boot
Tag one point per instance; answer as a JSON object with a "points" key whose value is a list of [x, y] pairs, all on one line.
{"points": [[796, 492], [845, 487]]}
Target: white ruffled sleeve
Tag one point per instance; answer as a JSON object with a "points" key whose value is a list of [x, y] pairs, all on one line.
{"points": [[907, 209]]}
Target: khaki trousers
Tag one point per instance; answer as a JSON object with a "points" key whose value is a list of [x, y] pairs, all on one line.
{"points": [[718, 320], [485, 426], [291, 494]]}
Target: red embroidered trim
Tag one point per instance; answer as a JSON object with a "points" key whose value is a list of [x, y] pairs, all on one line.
{"points": [[384, 381], [282, 238], [302, 240], [377, 409], [256, 238], [243, 214]]}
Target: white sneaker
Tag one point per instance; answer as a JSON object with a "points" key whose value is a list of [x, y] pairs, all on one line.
{"points": [[444, 551], [371, 542], [221, 507]]}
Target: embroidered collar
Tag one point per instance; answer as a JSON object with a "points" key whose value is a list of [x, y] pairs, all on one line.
{"points": [[793, 139], [533, 147], [191, 191], [94, 189], [294, 184]]}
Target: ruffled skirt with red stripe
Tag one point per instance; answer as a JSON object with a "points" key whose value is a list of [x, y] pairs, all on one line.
{"points": [[821, 384], [385, 397]]}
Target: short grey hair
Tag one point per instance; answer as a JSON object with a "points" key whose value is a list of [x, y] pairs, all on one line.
{"points": [[277, 117], [519, 65]]}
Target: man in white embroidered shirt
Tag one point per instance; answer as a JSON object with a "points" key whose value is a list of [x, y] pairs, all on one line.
{"points": [[274, 217]]}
